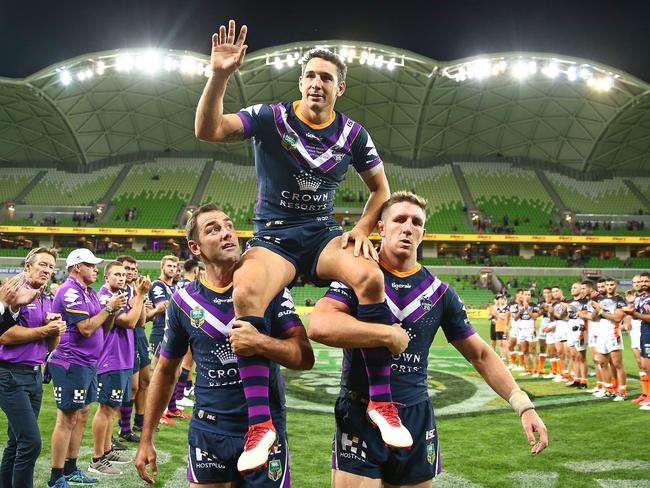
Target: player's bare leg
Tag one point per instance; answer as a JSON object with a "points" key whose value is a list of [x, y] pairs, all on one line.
{"points": [[343, 479], [260, 275], [365, 277], [616, 361]]}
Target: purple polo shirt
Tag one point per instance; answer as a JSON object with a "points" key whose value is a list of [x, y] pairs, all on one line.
{"points": [[31, 353], [119, 346], [76, 303]]}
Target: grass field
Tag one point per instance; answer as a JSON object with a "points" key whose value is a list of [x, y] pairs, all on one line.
{"points": [[593, 443]]}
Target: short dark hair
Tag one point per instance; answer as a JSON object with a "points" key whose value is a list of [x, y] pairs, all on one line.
{"points": [[190, 265], [126, 258], [602, 279], [547, 288], [645, 274], [191, 232], [588, 283], [327, 55]]}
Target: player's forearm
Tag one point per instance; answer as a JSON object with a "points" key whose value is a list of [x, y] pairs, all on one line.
{"points": [[370, 215], [293, 352], [52, 342], [209, 112], [163, 384], [338, 329], [488, 364], [18, 334], [143, 317], [130, 319], [87, 327]]}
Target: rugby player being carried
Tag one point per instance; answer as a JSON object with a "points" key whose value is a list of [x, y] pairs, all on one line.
{"points": [[302, 152]]}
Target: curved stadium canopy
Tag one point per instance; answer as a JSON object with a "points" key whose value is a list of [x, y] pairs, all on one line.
{"points": [[572, 112]]}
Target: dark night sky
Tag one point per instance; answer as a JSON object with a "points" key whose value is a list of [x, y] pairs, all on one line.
{"points": [[36, 33]]}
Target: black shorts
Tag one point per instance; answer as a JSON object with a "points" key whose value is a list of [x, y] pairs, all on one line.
{"points": [[213, 459], [359, 449], [300, 243], [142, 358], [75, 386], [497, 336], [114, 387]]}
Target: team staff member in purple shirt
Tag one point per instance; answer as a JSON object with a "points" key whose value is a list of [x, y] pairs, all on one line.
{"points": [[23, 348], [115, 367], [73, 363]]}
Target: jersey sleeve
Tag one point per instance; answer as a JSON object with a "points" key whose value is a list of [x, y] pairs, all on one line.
{"points": [[254, 118], [364, 152], [455, 324], [344, 294], [176, 339], [283, 314], [157, 293]]}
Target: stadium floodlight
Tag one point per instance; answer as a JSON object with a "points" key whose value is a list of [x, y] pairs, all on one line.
{"points": [[585, 73], [520, 70], [351, 55], [572, 73], [532, 67], [363, 57], [81, 75], [187, 65], [65, 77], [379, 61], [89, 73], [390, 65], [124, 62], [100, 67], [290, 60], [481, 69], [551, 69], [371, 58], [150, 62], [277, 62], [170, 63]]}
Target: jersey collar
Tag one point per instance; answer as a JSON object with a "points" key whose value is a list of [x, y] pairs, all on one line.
{"points": [[303, 119], [215, 289], [400, 274]]}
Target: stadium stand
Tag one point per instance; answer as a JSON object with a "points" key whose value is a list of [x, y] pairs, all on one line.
{"points": [[609, 196], [158, 191], [502, 190], [13, 181], [63, 188], [234, 189], [438, 186]]}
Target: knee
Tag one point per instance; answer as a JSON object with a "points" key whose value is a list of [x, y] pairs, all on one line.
{"points": [[368, 283], [68, 419], [246, 295], [143, 383], [31, 445]]}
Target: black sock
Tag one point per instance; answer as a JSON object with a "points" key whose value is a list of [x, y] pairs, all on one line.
{"points": [[95, 460], [70, 466], [55, 475], [108, 452]]}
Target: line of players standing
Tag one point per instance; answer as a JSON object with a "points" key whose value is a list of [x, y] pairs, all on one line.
{"points": [[593, 318], [105, 358]]}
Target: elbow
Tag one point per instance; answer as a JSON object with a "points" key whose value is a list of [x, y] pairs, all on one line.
{"points": [[203, 133], [316, 330], [84, 332], [307, 360]]}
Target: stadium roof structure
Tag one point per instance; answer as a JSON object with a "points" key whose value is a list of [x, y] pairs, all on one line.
{"points": [[575, 113]]}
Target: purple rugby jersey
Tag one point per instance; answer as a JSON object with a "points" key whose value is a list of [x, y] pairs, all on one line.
{"points": [[31, 353], [201, 317], [119, 345], [422, 304], [299, 167], [76, 303]]}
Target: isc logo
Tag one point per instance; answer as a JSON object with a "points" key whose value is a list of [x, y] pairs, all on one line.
{"points": [[430, 434]]}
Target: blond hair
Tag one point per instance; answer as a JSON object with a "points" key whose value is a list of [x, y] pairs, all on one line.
{"points": [[31, 255], [403, 196]]}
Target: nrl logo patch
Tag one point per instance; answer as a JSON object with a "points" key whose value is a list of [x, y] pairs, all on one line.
{"points": [[431, 453], [197, 317], [275, 469], [289, 141]]}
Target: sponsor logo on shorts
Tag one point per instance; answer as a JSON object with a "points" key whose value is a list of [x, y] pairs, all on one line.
{"points": [[431, 453], [57, 393], [353, 447], [275, 469], [79, 396], [205, 460], [116, 394]]}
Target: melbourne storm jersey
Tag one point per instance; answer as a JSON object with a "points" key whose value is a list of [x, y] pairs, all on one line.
{"points": [[75, 303], [299, 165], [422, 304], [202, 317], [160, 291], [642, 305], [119, 344]]}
